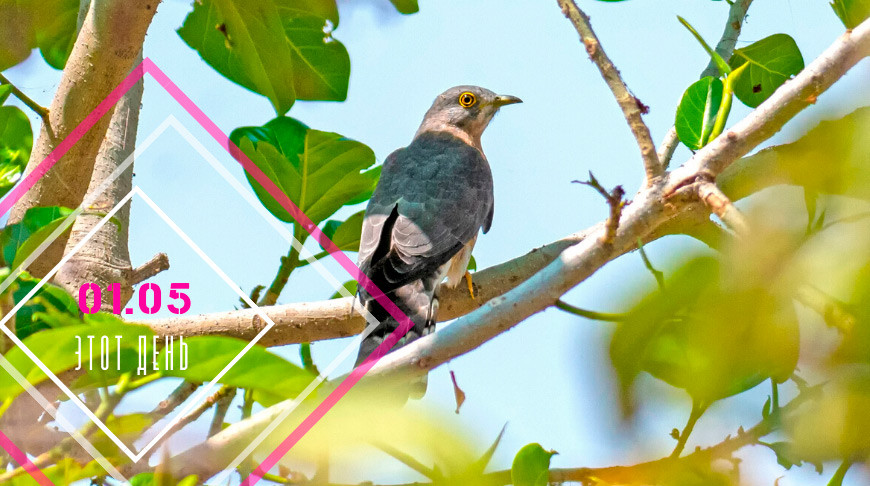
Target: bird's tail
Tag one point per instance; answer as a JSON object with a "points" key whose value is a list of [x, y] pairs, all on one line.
{"points": [[417, 300]]}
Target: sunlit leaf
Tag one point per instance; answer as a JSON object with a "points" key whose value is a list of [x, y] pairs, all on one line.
{"points": [[57, 348], [832, 158], [5, 91], [697, 112], [245, 42], [716, 330], [345, 234], [772, 61], [257, 369], [531, 466], [16, 141], [350, 286], [319, 171], [851, 12]]}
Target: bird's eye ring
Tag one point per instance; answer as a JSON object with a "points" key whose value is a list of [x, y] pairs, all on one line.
{"points": [[467, 99]]}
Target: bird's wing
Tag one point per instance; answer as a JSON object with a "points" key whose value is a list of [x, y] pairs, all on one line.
{"points": [[432, 198]]}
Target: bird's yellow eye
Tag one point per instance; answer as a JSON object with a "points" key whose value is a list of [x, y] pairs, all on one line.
{"points": [[467, 99]]}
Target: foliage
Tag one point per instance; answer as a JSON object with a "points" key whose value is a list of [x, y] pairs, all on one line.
{"points": [[531, 466], [16, 140], [851, 12], [319, 171]]}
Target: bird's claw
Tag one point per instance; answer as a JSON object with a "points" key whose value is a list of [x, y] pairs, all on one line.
{"points": [[470, 284]]}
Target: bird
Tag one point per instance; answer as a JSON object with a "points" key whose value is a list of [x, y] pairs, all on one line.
{"points": [[420, 226]]}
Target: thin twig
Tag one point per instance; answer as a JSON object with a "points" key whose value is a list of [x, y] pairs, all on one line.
{"points": [[158, 263], [631, 106], [176, 398], [408, 460], [595, 316], [657, 274], [697, 410], [220, 412], [288, 264], [721, 206], [36, 107], [614, 200]]}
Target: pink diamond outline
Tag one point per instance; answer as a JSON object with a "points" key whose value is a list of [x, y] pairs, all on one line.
{"points": [[405, 322]]}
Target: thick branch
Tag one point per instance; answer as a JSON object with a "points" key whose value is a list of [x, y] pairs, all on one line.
{"points": [[105, 51], [631, 107]]}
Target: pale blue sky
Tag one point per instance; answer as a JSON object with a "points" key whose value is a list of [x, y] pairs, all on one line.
{"points": [[548, 378]]}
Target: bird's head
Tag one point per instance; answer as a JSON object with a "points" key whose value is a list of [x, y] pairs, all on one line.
{"points": [[465, 110]]}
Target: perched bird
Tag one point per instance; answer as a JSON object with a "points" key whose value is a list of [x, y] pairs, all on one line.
{"points": [[422, 221]]}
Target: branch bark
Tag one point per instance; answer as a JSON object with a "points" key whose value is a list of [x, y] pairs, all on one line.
{"points": [[106, 49], [631, 106]]}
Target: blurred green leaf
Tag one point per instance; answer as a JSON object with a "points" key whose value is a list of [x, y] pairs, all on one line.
{"points": [[406, 6], [319, 171], [17, 37], [836, 425], [345, 234], [29, 318], [65, 471], [257, 369], [56, 29], [697, 111], [531, 466], [718, 329], [832, 158], [5, 91], [851, 12], [772, 61], [16, 141], [15, 236], [149, 479], [57, 348]]}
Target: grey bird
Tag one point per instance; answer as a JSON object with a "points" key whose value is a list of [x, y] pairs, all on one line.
{"points": [[422, 221]]}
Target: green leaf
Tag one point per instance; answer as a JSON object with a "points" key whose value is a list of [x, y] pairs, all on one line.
{"points": [[57, 348], [406, 6], [15, 236], [16, 140], [723, 66], [149, 479], [531, 466], [245, 42], [282, 49], [39, 237], [5, 91], [851, 12], [257, 369], [710, 331], [55, 23], [321, 64], [28, 319], [772, 61], [64, 471], [17, 37], [345, 234], [350, 286], [319, 171], [697, 111]]}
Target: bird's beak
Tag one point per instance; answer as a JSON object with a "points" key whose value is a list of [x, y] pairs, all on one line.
{"points": [[502, 100]]}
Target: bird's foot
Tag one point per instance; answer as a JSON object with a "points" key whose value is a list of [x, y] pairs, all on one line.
{"points": [[470, 284]]}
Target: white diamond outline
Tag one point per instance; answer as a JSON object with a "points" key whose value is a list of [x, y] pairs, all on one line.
{"points": [[170, 121]]}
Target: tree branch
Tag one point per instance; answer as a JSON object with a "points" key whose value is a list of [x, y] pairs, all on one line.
{"points": [[631, 107], [105, 51], [647, 216]]}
